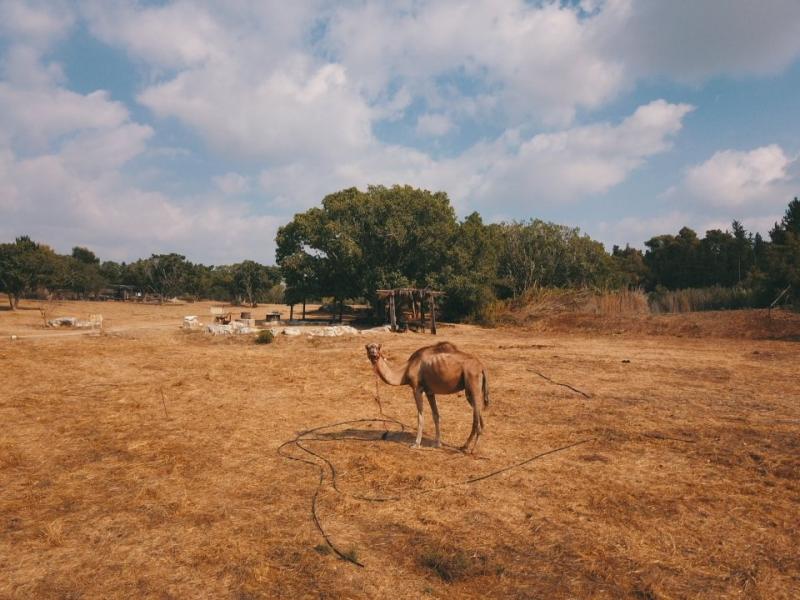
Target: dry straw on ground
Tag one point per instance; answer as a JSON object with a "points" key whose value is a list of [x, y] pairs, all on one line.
{"points": [[688, 487]]}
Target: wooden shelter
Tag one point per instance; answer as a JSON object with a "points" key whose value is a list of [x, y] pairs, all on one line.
{"points": [[415, 298]]}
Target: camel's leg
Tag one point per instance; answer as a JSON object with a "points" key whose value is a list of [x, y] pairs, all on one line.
{"points": [[472, 432], [435, 411], [418, 400], [477, 421]]}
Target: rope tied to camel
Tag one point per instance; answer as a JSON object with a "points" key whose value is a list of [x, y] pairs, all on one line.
{"points": [[328, 466]]}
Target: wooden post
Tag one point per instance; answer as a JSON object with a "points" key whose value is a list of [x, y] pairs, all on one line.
{"points": [[433, 314], [774, 302], [422, 311], [392, 314], [304, 309], [291, 312]]}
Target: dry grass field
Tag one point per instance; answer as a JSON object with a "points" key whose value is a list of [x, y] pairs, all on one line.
{"points": [[143, 463]]}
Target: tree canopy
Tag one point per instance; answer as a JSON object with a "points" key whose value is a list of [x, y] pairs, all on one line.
{"points": [[357, 242], [360, 241]]}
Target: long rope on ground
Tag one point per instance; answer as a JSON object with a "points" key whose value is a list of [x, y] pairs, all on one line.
{"points": [[566, 385], [328, 466], [315, 496]]}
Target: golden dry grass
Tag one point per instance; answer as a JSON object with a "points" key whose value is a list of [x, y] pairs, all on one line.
{"points": [[688, 485]]}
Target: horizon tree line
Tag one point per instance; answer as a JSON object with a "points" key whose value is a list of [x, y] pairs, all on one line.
{"points": [[359, 241]]}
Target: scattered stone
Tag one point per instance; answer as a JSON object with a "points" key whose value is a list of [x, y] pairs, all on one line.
{"points": [[379, 329], [192, 322], [235, 328]]}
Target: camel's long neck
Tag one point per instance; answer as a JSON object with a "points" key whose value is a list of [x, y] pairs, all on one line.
{"points": [[389, 374]]}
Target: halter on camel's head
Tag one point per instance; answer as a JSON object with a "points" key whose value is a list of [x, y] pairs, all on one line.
{"points": [[373, 352]]}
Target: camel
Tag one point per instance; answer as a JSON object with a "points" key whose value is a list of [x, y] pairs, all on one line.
{"points": [[438, 369]]}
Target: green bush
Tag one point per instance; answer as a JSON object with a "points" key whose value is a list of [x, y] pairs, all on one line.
{"points": [[265, 337]]}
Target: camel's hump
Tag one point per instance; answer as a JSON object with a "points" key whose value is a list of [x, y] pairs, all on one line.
{"points": [[443, 347], [440, 348]]}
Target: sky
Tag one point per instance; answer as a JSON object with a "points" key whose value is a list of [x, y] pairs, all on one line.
{"points": [[201, 127]]}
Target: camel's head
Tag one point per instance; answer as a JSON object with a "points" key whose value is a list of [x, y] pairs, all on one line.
{"points": [[373, 352]]}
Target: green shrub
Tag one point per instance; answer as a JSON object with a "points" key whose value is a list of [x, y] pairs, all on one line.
{"points": [[265, 337]]}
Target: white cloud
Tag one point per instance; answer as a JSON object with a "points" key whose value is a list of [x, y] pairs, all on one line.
{"points": [[538, 59], [243, 77], [296, 90], [285, 84], [50, 200], [692, 41], [636, 230], [174, 35], [35, 117], [547, 168], [63, 180], [749, 186], [232, 184], [105, 150], [184, 34], [577, 162], [293, 112], [35, 23], [733, 178]]}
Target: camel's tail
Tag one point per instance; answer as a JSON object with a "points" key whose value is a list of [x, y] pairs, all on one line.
{"points": [[485, 390]]}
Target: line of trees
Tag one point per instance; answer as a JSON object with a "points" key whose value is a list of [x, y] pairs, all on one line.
{"points": [[734, 258], [359, 241], [30, 268]]}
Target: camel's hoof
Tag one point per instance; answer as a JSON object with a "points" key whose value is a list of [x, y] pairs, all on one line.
{"points": [[437, 444], [415, 446]]}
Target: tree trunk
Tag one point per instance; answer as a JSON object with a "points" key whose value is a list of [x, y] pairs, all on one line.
{"points": [[291, 312], [304, 309], [341, 309], [433, 314]]}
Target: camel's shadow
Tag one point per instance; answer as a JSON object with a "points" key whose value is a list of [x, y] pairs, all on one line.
{"points": [[404, 438]]}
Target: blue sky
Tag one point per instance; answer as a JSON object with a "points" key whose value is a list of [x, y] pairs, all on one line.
{"points": [[200, 127]]}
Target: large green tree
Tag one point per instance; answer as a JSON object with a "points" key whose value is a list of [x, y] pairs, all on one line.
{"points": [[360, 241], [165, 275], [782, 260], [26, 266], [536, 253], [251, 281], [469, 276]]}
